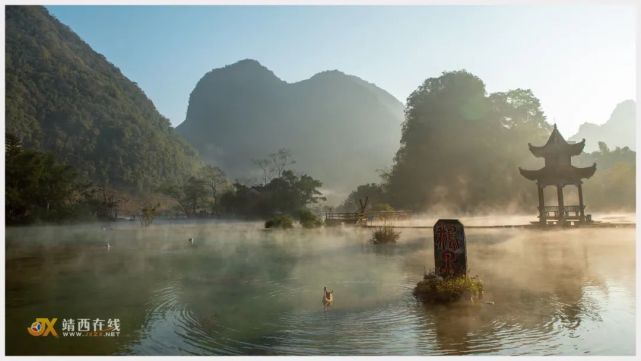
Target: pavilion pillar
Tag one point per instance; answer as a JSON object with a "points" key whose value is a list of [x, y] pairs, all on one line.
{"points": [[542, 213], [559, 192], [582, 212]]}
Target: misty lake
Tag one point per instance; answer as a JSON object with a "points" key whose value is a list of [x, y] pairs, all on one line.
{"points": [[243, 290]]}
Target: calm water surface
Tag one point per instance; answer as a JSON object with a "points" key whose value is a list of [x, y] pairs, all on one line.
{"points": [[243, 290]]}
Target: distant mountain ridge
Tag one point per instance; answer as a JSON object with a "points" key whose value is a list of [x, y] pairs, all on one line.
{"points": [[243, 111], [618, 131], [63, 97]]}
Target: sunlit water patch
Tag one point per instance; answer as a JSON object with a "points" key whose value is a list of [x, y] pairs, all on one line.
{"points": [[241, 290]]}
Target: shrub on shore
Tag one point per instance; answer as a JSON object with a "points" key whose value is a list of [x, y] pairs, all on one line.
{"points": [[284, 222], [308, 219], [435, 289]]}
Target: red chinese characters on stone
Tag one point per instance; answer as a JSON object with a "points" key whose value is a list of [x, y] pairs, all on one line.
{"points": [[450, 258], [447, 264], [446, 237]]}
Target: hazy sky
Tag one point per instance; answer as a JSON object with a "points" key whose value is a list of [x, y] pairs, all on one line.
{"points": [[578, 59]]}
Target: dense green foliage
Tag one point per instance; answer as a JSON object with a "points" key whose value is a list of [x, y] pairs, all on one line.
{"points": [[148, 214], [64, 98], [613, 186], [280, 221], [104, 202], [341, 128], [39, 188], [192, 196], [198, 195], [308, 219], [286, 194], [210, 194], [461, 149], [374, 193]]}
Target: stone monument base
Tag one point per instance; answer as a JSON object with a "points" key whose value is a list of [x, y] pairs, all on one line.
{"points": [[435, 289]]}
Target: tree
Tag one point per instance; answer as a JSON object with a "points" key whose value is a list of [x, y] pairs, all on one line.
{"points": [[603, 148], [308, 219], [461, 149], [281, 160], [448, 119], [191, 196], [38, 187], [216, 180], [291, 192], [264, 165], [104, 201], [12, 146], [373, 192], [286, 194], [519, 107], [148, 214], [613, 186]]}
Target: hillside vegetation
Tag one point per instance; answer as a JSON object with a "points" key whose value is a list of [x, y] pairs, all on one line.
{"points": [[62, 97]]}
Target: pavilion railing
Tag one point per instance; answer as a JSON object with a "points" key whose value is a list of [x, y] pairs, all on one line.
{"points": [[569, 212]]}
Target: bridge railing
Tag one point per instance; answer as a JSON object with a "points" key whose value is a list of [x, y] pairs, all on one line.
{"points": [[344, 217], [364, 218]]}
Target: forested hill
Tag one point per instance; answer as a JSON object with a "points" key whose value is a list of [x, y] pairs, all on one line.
{"points": [[63, 97], [339, 128]]}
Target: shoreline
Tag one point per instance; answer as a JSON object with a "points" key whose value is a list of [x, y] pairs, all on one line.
{"points": [[530, 226]]}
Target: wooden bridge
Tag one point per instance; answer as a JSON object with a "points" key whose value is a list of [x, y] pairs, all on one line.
{"points": [[363, 218]]}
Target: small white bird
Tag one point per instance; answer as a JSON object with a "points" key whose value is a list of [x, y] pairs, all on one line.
{"points": [[108, 246], [191, 240]]}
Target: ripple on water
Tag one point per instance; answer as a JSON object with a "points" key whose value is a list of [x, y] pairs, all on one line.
{"points": [[400, 326], [233, 298]]}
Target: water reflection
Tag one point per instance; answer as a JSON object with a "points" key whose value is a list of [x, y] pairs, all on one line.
{"points": [[242, 290]]}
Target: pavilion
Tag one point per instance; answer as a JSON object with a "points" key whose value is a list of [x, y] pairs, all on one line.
{"points": [[559, 171]]}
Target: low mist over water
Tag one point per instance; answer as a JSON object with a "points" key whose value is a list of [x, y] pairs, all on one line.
{"points": [[243, 290]]}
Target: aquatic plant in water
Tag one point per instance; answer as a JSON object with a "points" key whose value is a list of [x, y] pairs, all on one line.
{"points": [[436, 289], [385, 234]]}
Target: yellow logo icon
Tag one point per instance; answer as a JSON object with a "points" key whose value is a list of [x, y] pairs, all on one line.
{"points": [[42, 327]]}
